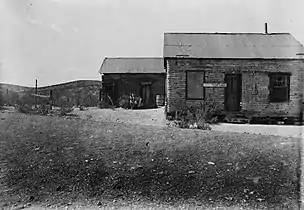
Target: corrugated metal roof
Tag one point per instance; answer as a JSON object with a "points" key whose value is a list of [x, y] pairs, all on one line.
{"points": [[132, 65], [232, 45]]}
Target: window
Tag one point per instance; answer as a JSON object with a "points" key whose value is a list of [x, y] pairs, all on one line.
{"points": [[279, 87], [194, 85]]}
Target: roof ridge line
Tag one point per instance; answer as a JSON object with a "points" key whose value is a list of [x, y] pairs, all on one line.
{"points": [[134, 57]]}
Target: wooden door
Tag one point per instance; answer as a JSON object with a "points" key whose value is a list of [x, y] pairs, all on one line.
{"points": [[233, 92], [111, 91], [146, 95]]}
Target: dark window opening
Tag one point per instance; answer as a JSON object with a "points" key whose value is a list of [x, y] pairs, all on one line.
{"points": [[194, 85], [279, 87]]}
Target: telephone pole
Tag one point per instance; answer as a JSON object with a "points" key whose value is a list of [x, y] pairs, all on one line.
{"points": [[300, 168], [36, 92]]}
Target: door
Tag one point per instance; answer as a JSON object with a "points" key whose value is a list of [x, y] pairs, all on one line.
{"points": [[111, 93], [233, 92], [146, 94]]}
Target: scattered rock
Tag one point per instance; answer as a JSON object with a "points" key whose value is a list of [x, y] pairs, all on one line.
{"points": [[31, 198], [229, 198], [255, 179]]}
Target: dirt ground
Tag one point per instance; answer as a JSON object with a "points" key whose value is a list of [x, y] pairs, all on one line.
{"points": [[153, 117], [139, 127], [278, 130], [156, 117]]}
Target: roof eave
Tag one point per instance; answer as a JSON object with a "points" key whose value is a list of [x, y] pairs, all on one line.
{"points": [[227, 58], [103, 65]]}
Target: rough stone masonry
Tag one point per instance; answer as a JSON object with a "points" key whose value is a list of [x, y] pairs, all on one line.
{"points": [[255, 83]]}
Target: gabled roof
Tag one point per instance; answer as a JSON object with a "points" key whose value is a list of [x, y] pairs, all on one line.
{"points": [[232, 45], [132, 65]]}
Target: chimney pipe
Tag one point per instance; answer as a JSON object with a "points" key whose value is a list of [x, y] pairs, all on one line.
{"points": [[266, 28]]}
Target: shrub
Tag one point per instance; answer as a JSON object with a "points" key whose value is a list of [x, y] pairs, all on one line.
{"points": [[104, 104], [130, 101], [24, 109], [81, 108], [27, 109], [107, 102], [65, 111], [27, 99], [194, 118], [124, 101], [43, 109], [198, 117]]}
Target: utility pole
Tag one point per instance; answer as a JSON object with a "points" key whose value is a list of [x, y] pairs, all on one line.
{"points": [[51, 99], [36, 92], [300, 167]]}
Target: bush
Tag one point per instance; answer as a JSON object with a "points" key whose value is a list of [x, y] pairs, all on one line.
{"points": [[198, 117], [24, 109], [193, 118], [44, 110], [107, 102], [27, 109], [27, 99], [65, 111], [130, 101]]}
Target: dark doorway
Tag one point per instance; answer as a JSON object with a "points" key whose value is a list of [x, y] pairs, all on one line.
{"points": [[111, 91], [146, 95], [233, 92]]}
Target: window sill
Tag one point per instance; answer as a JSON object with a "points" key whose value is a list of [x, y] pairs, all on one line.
{"points": [[275, 102]]}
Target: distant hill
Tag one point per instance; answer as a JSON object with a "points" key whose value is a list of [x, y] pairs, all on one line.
{"points": [[17, 88], [77, 83], [84, 92]]}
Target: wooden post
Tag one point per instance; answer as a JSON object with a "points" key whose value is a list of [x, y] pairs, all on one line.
{"points": [[51, 99], [300, 171], [100, 94], [36, 92]]}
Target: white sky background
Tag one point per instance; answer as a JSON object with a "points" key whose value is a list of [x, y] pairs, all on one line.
{"points": [[63, 40]]}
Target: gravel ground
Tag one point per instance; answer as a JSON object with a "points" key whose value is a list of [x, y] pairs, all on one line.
{"points": [[27, 135], [156, 117], [278, 130], [153, 117]]}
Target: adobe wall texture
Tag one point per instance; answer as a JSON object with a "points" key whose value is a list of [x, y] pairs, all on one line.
{"points": [[254, 72]]}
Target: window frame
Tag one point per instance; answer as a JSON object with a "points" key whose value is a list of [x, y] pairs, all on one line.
{"points": [[195, 71], [272, 86]]}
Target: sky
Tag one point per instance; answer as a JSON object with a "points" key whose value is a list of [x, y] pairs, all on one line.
{"points": [[58, 41]]}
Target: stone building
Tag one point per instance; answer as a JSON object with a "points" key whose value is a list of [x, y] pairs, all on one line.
{"points": [[258, 72]]}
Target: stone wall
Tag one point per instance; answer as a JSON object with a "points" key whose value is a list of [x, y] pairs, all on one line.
{"points": [[254, 73]]}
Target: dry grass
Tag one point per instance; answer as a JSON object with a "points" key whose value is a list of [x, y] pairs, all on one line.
{"points": [[55, 160]]}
